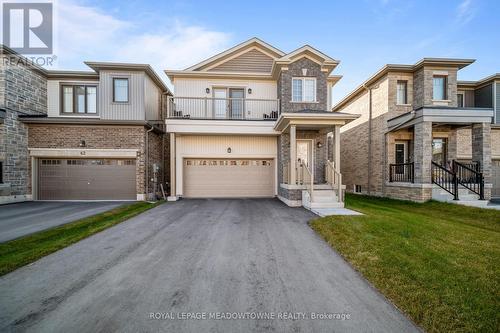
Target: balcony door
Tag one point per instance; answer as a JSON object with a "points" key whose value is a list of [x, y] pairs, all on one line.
{"points": [[220, 103], [236, 103], [401, 156]]}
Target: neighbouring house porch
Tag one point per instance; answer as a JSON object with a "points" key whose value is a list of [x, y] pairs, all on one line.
{"points": [[309, 159], [439, 153]]}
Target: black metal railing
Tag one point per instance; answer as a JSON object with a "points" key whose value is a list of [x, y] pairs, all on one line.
{"points": [[445, 178], [470, 177], [401, 172]]}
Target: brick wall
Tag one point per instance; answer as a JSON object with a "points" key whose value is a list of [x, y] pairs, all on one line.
{"points": [[102, 137], [285, 86], [423, 86]]}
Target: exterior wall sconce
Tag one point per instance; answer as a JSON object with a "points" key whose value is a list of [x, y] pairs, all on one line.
{"points": [[82, 143], [249, 91], [319, 145], [229, 150], [207, 90]]}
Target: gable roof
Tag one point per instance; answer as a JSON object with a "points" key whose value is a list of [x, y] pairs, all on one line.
{"points": [[254, 42]]}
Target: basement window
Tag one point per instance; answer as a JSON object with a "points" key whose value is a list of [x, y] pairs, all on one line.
{"points": [[357, 188]]}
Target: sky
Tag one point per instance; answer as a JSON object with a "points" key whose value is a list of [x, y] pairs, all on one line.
{"points": [[364, 35]]}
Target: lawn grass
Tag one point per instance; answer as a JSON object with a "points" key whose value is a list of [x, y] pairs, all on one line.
{"points": [[22, 251], [439, 263]]}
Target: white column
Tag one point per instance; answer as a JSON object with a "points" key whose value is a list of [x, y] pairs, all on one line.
{"points": [[337, 147], [172, 167], [293, 154]]}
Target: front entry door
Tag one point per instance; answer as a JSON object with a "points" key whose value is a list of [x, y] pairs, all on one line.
{"points": [[220, 103], [304, 152], [439, 152], [236, 106]]}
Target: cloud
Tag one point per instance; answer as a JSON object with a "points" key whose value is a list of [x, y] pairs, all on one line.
{"points": [[465, 12], [88, 33]]}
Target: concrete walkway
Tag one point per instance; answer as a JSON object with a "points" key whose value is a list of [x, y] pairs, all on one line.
{"points": [[219, 258]]}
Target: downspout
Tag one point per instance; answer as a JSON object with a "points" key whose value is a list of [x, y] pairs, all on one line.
{"points": [[163, 117], [369, 137], [147, 159]]}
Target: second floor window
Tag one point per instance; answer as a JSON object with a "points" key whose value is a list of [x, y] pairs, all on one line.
{"points": [[79, 99], [303, 89], [401, 97], [439, 88], [120, 90], [460, 100]]}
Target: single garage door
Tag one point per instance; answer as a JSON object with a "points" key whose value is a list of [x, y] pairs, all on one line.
{"points": [[86, 179], [495, 172], [224, 178]]}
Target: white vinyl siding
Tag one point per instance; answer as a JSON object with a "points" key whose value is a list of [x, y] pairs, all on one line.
{"points": [[261, 89], [402, 97], [439, 88], [303, 89]]}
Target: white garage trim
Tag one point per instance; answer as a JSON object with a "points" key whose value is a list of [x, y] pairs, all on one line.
{"points": [[82, 153], [216, 147]]}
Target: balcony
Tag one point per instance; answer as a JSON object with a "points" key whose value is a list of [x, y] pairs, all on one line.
{"points": [[223, 108]]}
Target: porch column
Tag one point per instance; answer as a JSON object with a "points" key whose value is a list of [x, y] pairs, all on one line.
{"points": [[172, 167], [337, 147], [293, 154], [481, 148], [422, 155]]}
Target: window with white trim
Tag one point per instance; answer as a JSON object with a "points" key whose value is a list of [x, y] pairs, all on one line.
{"points": [[303, 89], [402, 92]]}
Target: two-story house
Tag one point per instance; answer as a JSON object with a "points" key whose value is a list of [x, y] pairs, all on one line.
{"points": [[254, 121], [422, 134], [83, 135]]}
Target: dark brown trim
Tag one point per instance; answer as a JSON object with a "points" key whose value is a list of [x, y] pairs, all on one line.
{"points": [[73, 85]]}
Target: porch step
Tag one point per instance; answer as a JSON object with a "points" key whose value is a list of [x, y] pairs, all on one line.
{"points": [[325, 198], [465, 197]]}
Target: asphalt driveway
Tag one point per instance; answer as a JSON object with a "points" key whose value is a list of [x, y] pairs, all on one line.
{"points": [[25, 218], [219, 258]]}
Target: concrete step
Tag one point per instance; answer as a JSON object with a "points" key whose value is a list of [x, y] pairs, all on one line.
{"points": [[331, 204]]}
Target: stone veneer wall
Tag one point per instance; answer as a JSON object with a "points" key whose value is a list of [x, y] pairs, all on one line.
{"points": [[23, 90], [285, 86], [101, 137], [422, 87]]}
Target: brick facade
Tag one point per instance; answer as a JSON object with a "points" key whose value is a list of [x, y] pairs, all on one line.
{"points": [[295, 69], [104, 137]]}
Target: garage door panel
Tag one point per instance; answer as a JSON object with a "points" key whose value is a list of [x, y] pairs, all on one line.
{"points": [[87, 179], [228, 178]]}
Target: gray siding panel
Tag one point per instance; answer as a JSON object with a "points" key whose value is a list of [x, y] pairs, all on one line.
{"points": [[134, 109], [497, 111], [483, 97]]}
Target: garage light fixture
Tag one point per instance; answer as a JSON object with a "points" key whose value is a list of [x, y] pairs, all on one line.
{"points": [[207, 90], [249, 91], [319, 145], [229, 150], [82, 143]]}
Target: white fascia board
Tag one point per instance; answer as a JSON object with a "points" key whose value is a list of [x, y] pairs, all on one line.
{"points": [[241, 127]]}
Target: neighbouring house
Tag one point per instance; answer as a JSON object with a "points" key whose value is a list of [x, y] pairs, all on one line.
{"points": [[81, 135], [423, 134], [254, 121]]}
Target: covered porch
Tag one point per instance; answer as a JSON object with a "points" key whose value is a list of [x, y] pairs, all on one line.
{"points": [[439, 153], [309, 158]]}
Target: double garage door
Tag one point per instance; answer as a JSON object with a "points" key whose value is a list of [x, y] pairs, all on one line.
{"points": [[225, 178], [86, 179]]}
